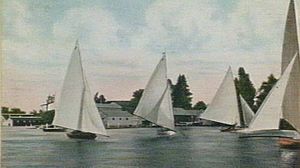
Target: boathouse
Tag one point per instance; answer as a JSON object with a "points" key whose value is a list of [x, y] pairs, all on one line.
{"points": [[114, 117], [22, 120], [185, 117]]}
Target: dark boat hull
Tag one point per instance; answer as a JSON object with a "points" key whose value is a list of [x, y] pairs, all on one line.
{"points": [[230, 129], [81, 135]]}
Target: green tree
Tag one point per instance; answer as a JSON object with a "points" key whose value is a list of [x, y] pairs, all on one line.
{"points": [[16, 110], [134, 101], [245, 87], [99, 99], [264, 90], [200, 105], [47, 116], [181, 95], [4, 109]]}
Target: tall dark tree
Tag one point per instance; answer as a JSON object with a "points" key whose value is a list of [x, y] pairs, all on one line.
{"points": [[181, 95], [245, 87], [134, 101], [264, 90], [200, 105]]}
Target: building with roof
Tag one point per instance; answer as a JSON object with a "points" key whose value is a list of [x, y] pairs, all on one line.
{"points": [[114, 117], [22, 120], [185, 117]]}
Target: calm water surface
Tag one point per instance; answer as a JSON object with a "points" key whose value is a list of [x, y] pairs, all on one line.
{"points": [[198, 147]]}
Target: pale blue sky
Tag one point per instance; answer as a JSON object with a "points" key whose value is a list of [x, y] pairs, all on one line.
{"points": [[122, 40]]}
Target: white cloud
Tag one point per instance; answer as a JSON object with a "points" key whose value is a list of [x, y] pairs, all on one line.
{"points": [[18, 20], [94, 26], [199, 43]]}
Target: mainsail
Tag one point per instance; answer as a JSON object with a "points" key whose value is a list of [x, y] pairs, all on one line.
{"points": [[76, 109], [290, 43], [271, 111], [224, 106], [291, 105], [155, 104]]}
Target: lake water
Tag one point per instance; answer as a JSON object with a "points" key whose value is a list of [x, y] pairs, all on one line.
{"points": [[198, 147]]}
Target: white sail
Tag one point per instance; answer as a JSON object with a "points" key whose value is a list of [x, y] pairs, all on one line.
{"points": [[270, 112], [91, 119], [290, 108], [248, 114], [224, 106], [165, 116], [290, 43], [155, 104], [291, 105], [76, 109]]}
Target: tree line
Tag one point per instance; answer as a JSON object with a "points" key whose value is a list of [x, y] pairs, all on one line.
{"points": [[182, 96]]}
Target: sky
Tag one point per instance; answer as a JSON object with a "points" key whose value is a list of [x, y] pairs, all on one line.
{"points": [[121, 42]]}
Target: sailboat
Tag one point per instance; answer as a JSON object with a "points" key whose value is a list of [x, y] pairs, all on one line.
{"points": [[77, 110], [226, 108], [282, 102], [291, 109], [155, 104], [266, 122]]}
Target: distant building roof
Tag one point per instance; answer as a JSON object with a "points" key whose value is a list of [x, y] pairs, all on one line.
{"points": [[112, 110], [181, 111], [108, 105], [17, 114], [24, 117], [120, 102]]}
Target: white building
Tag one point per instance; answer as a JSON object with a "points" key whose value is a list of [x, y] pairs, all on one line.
{"points": [[114, 117]]}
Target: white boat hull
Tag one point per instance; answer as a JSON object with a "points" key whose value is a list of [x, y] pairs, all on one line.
{"points": [[165, 132], [268, 133]]}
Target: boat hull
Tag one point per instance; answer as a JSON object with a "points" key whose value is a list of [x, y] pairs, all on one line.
{"points": [[230, 129], [81, 135], [52, 128], [268, 133], [165, 132]]}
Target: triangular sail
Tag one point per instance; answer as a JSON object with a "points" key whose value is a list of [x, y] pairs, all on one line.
{"points": [[248, 114], [91, 119], [224, 106], [155, 104], [290, 108], [76, 109], [165, 116], [290, 43], [270, 112], [69, 107], [291, 105]]}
